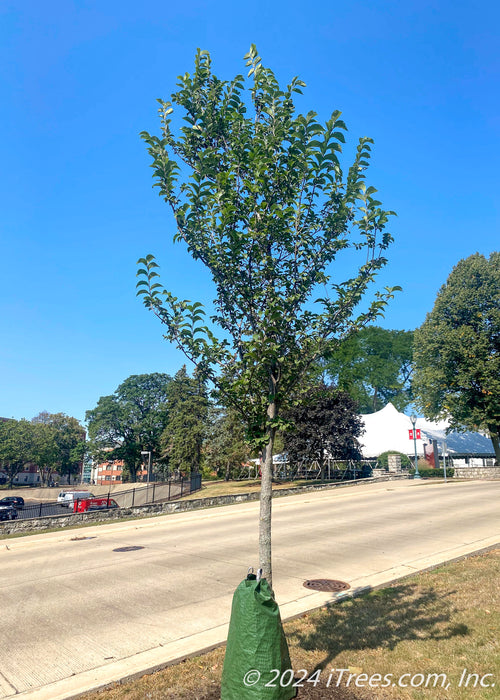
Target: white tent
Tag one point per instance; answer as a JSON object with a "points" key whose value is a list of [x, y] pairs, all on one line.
{"points": [[389, 430]]}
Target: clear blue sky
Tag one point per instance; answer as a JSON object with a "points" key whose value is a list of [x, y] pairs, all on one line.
{"points": [[79, 82]]}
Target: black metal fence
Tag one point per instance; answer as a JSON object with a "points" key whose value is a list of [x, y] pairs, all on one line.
{"points": [[307, 470], [333, 470], [156, 492]]}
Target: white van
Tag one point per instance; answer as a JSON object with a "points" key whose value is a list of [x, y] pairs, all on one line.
{"points": [[68, 498]]}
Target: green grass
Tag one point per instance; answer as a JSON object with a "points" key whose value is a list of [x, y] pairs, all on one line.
{"points": [[211, 489]]}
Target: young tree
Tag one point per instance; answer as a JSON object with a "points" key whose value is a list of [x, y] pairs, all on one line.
{"points": [[130, 421], [183, 436], [324, 423], [457, 349], [266, 208], [374, 367]]}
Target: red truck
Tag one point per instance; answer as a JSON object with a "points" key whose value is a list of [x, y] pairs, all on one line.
{"points": [[82, 505]]}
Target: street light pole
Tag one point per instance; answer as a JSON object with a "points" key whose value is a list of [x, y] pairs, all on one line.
{"points": [[413, 419], [443, 447]]}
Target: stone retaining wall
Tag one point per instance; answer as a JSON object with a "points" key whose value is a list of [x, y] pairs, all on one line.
{"points": [[476, 473], [61, 521]]}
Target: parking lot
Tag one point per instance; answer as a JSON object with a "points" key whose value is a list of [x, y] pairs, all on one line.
{"points": [[39, 509]]}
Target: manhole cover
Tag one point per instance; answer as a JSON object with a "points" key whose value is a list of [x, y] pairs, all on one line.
{"points": [[326, 584], [126, 549]]}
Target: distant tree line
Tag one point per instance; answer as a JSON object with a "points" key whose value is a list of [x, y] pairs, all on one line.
{"points": [[185, 431], [175, 419], [54, 442], [449, 368]]}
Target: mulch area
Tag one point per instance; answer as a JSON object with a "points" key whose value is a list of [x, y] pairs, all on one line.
{"points": [[310, 692]]}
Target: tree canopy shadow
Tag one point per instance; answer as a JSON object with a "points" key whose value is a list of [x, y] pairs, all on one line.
{"points": [[381, 619]]}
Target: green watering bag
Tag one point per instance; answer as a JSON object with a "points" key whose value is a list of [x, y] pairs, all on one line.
{"points": [[257, 662]]}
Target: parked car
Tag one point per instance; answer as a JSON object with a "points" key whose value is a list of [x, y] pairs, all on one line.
{"points": [[68, 498], [87, 504], [15, 501], [7, 512]]}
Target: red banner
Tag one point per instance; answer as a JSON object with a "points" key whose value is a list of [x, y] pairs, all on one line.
{"points": [[417, 434]]}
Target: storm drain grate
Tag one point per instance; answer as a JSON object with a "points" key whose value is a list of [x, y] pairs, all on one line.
{"points": [[326, 584], [127, 549]]}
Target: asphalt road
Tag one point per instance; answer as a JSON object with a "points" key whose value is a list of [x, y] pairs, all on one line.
{"points": [[72, 602]]}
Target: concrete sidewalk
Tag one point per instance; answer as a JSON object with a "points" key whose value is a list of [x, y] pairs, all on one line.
{"points": [[377, 568]]}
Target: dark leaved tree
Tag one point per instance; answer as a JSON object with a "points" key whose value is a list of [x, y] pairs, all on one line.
{"points": [[323, 424]]}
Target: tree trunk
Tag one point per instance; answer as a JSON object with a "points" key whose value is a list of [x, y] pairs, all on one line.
{"points": [[266, 495], [132, 468], [322, 464], [495, 439]]}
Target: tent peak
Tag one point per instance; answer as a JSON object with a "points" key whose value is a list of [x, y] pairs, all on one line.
{"points": [[387, 410]]}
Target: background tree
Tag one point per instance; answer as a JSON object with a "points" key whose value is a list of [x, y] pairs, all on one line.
{"points": [[45, 452], [374, 367], [129, 421], [52, 441], [62, 441], [457, 349], [16, 446], [324, 423], [226, 448], [266, 208], [182, 439], [383, 459]]}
